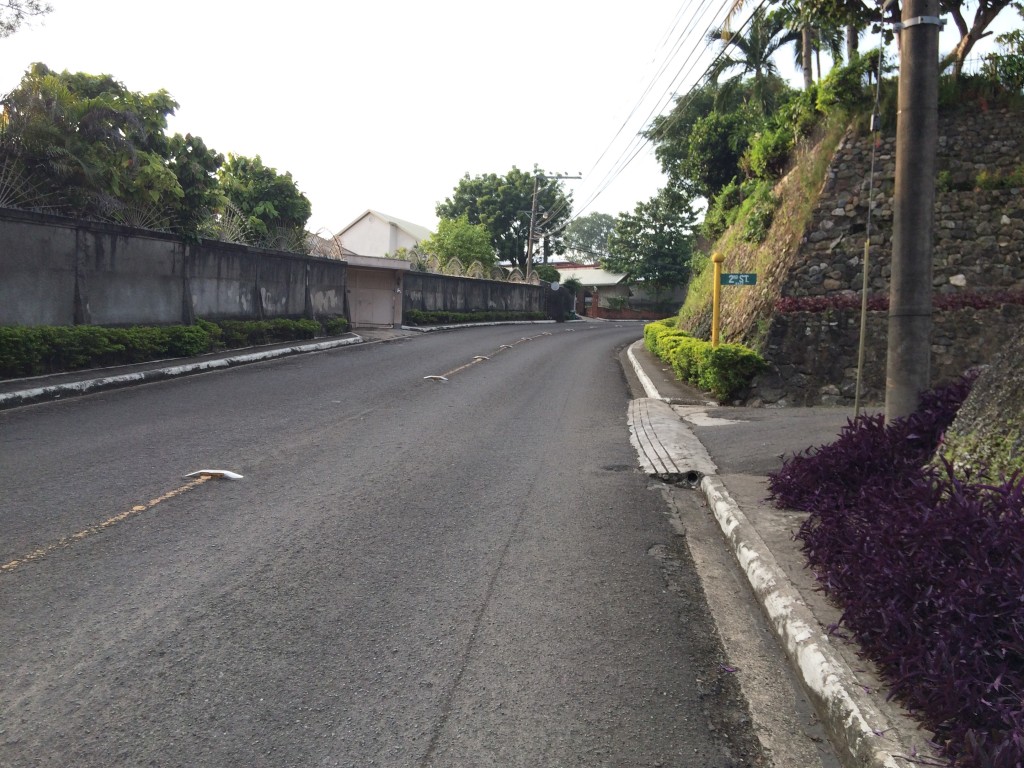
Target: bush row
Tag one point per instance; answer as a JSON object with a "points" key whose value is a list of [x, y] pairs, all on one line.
{"points": [[419, 317], [39, 350], [928, 568], [725, 370]]}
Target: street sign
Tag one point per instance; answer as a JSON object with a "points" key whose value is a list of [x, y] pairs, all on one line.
{"points": [[739, 278]]}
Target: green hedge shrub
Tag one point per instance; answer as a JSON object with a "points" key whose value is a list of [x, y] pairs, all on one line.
{"points": [[658, 332], [419, 317], [725, 371], [39, 350]]}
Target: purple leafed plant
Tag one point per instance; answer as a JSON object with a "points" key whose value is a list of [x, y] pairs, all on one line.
{"points": [[879, 302], [929, 570]]}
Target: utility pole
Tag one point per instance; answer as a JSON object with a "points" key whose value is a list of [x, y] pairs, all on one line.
{"points": [[533, 214], [908, 364]]}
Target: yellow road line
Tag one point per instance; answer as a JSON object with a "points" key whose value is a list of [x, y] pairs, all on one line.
{"points": [[67, 541], [482, 358]]}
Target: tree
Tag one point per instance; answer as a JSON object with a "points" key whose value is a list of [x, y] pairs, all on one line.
{"points": [[586, 237], [547, 273], [971, 33], [458, 239], [654, 243], [752, 52], [701, 141], [503, 204], [89, 144], [14, 13], [863, 12], [195, 166], [274, 208]]}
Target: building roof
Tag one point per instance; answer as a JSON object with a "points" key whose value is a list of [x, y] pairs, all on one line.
{"points": [[590, 275], [413, 230]]}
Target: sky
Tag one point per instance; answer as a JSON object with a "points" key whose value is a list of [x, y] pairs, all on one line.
{"points": [[386, 105]]}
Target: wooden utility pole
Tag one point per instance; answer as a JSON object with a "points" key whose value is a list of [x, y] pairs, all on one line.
{"points": [[908, 365]]}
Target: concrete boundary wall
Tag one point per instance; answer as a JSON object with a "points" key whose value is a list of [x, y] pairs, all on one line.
{"points": [[61, 271], [430, 292]]}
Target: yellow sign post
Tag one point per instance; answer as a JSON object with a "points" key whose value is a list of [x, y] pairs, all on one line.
{"points": [[716, 296]]}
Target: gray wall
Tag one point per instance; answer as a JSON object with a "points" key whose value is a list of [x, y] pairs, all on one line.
{"points": [[60, 271], [429, 292]]}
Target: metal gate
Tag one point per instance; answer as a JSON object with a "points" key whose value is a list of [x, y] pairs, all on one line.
{"points": [[371, 294]]}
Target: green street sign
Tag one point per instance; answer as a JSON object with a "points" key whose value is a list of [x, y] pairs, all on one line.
{"points": [[739, 278]]}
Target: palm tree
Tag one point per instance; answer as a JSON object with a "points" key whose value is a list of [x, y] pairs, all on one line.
{"points": [[811, 38], [752, 50]]}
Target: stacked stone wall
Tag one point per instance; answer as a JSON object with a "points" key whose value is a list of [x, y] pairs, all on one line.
{"points": [[978, 255]]}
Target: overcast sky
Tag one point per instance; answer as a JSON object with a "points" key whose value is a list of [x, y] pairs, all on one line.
{"points": [[386, 105]]}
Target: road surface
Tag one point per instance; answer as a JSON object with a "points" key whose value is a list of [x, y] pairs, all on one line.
{"points": [[411, 572]]}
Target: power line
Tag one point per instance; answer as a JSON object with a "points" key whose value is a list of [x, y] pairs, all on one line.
{"points": [[639, 141]]}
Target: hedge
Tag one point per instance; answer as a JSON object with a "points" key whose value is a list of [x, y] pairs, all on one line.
{"points": [[39, 350], [725, 370]]}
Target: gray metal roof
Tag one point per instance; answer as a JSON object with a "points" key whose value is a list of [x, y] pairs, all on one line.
{"points": [[591, 275], [413, 230]]}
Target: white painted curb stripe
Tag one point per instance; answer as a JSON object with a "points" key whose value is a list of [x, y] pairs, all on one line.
{"points": [[645, 380], [159, 374], [822, 671]]}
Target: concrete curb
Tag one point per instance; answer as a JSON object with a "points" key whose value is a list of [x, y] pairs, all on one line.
{"points": [[453, 326], [665, 445], [845, 711], [56, 391], [645, 380]]}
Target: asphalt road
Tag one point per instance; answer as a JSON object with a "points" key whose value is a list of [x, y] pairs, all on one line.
{"points": [[411, 573]]}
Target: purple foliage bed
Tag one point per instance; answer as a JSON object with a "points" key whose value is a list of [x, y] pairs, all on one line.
{"points": [[929, 570]]}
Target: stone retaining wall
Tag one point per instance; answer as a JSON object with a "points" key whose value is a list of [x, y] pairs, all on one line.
{"points": [[979, 249]]}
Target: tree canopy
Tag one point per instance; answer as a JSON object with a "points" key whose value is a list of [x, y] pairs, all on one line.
{"points": [[654, 243], [503, 205], [274, 208], [14, 13], [586, 237], [458, 239], [89, 144], [85, 145], [701, 141], [752, 52]]}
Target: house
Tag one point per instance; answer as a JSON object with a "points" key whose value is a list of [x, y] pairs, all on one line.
{"points": [[597, 284], [611, 295], [377, 234]]}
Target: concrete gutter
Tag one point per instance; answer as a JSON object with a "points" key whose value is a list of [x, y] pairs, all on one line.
{"points": [[863, 736]]}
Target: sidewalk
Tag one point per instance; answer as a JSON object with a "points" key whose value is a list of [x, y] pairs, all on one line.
{"points": [[727, 453]]}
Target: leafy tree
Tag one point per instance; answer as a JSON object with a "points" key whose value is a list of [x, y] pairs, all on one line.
{"points": [[587, 236], [195, 166], [654, 243], [752, 52], [14, 13], [503, 204], [1007, 65], [973, 31], [547, 273], [863, 12], [274, 208], [89, 143], [701, 141], [457, 238]]}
